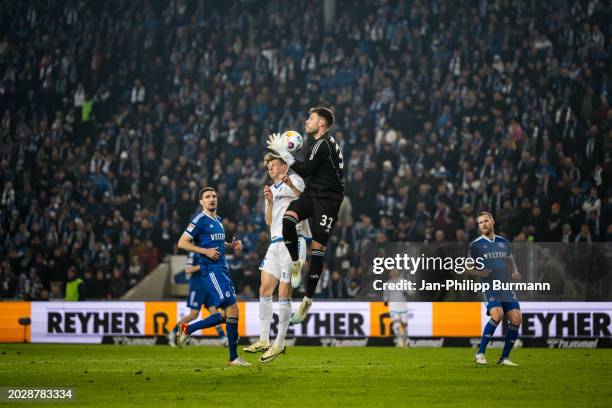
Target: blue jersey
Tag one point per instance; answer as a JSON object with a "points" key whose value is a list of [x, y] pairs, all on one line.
{"points": [[208, 232], [495, 256]]}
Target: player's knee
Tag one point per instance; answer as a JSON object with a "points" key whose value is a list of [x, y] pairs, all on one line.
{"points": [[193, 314], [284, 291], [319, 241], [515, 319], [264, 291], [268, 284], [231, 311], [497, 315]]}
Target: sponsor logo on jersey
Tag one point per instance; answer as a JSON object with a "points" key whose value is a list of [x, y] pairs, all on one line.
{"points": [[494, 255], [280, 197]]}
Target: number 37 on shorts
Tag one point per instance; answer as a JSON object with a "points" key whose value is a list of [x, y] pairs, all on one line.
{"points": [[325, 215], [326, 222]]}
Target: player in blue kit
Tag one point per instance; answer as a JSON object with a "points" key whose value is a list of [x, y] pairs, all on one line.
{"points": [[495, 254], [205, 235], [195, 298]]}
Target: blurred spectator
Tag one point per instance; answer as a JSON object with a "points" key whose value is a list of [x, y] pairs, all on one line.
{"points": [[592, 209], [101, 288], [584, 235], [30, 285], [136, 271], [57, 293], [117, 284], [148, 254], [337, 286], [75, 289], [89, 284], [352, 282]]}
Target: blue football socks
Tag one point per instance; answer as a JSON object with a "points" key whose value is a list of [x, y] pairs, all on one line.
{"points": [[210, 321], [231, 325], [487, 334], [511, 336]]}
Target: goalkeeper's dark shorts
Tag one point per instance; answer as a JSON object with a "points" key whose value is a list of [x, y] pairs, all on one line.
{"points": [[322, 213]]}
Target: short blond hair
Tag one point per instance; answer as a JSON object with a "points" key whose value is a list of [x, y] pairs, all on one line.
{"points": [[483, 213], [271, 156]]}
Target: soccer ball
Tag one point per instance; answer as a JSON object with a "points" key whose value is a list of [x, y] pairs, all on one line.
{"points": [[293, 140]]}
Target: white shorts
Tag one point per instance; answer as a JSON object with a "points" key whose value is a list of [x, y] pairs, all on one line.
{"points": [[398, 311], [277, 260]]}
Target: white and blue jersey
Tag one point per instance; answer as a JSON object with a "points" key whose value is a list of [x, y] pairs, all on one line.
{"points": [[277, 261], [213, 287], [496, 257]]}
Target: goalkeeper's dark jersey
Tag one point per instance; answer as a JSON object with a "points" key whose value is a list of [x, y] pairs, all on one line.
{"points": [[323, 166]]}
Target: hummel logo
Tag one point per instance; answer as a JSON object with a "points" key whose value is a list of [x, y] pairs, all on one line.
{"points": [[314, 276], [210, 226]]}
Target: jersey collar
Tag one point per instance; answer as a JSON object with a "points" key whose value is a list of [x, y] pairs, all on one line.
{"points": [[323, 136], [204, 212], [489, 240]]}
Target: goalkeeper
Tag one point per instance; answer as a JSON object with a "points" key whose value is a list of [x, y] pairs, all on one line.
{"points": [[323, 167]]}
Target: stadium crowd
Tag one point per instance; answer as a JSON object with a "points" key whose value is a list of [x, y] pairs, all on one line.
{"points": [[115, 114]]}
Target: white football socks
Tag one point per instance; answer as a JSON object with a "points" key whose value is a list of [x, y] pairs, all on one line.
{"points": [[265, 317], [284, 314]]}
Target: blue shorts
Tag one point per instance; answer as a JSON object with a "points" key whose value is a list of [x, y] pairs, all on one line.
{"points": [[219, 290], [197, 293], [505, 299]]}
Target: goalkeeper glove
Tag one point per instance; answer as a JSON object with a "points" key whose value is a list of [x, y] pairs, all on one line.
{"points": [[276, 144]]}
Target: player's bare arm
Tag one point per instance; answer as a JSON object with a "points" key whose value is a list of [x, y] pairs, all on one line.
{"points": [[268, 198], [516, 276], [186, 243], [235, 245], [287, 180]]}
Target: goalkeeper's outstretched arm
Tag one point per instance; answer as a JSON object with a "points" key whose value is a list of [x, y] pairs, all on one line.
{"points": [[319, 153]]}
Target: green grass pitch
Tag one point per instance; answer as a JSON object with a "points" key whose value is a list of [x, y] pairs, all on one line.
{"points": [[104, 375]]}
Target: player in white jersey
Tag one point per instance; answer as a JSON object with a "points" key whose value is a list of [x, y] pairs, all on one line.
{"points": [[275, 265], [398, 310]]}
